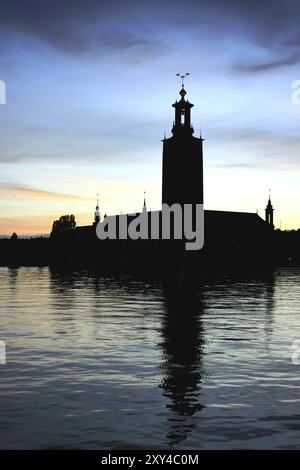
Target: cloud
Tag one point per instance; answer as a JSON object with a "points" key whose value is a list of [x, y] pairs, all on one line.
{"points": [[75, 26], [236, 166], [77, 136], [260, 147], [139, 31], [257, 135], [10, 191], [255, 67]]}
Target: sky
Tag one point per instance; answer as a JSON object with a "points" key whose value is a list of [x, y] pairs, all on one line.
{"points": [[89, 88]]}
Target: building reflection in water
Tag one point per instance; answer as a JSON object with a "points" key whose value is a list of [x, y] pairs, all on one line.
{"points": [[62, 285], [13, 278], [182, 348], [269, 285], [184, 316]]}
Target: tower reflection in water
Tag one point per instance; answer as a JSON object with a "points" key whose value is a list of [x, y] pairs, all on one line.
{"points": [[182, 365]]}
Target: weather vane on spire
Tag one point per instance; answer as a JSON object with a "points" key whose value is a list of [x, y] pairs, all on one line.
{"points": [[182, 78]]}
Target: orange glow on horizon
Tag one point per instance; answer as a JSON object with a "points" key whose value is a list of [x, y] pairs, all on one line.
{"points": [[35, 225]]}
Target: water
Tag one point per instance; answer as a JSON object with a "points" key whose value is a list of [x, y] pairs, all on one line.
{"points": [[114, 362]]}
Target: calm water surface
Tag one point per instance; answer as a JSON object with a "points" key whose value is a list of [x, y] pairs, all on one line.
{"points": [[115, 362]]}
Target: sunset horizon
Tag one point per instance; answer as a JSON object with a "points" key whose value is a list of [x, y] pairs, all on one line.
{"points": [[89, 100], [36, 204]]}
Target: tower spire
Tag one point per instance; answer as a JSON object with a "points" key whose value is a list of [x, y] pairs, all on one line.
{"points": [[144, 206], [97, 212], [269, 212]]}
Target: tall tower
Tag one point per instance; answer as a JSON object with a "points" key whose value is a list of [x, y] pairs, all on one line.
{"points": [[182, 180], [269, 213]]}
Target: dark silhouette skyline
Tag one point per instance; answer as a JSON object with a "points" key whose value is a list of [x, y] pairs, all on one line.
{"points": [[230, 238]]}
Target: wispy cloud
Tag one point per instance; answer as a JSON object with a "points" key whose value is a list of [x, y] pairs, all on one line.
{"points": [[77, 27], [14, 191], [286, 59], [257, 147], [233, 166]]}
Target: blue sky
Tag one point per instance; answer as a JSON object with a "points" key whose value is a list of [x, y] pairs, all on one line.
{"points": [[89, 91]]}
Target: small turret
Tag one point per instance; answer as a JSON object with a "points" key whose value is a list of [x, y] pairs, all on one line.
{"points": [[269, 213], [144, 206], [97, 215]]}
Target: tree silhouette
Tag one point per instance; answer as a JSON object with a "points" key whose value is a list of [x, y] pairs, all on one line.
{"points": [[64, 224], [14, 236]]}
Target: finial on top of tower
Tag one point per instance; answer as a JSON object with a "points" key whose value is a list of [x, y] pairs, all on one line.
{"points": [[269, 200], [182, 77]]}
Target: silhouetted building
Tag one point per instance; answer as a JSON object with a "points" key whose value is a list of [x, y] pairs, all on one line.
{"points": [[182, 178], [230, 238], [269, 213]]}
